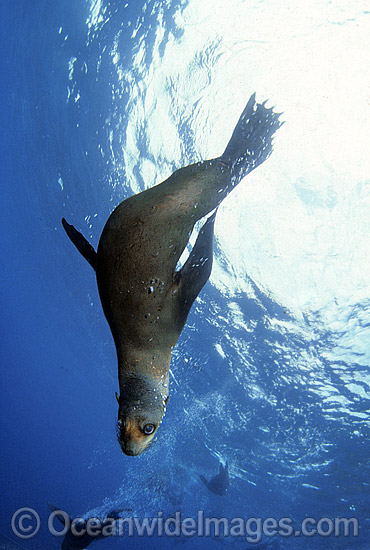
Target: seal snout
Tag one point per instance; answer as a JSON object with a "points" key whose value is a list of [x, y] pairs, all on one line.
{"points": [[129, 451]]}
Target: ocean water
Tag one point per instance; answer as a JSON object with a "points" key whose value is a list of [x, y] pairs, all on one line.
{"points": [[102, 99]]}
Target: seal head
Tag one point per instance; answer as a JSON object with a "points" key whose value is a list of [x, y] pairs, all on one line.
{"points": [[142, 405]]}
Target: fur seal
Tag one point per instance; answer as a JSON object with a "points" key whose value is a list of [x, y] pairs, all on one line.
{"points": [[80, 538], [219, 484], [145, 300]]}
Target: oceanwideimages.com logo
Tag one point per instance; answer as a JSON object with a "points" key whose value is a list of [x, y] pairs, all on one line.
{"points": [[26, 524]]}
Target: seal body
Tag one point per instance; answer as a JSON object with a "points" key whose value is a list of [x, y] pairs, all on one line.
{"points": [[142, 295], [79, 538], [145, 300]]}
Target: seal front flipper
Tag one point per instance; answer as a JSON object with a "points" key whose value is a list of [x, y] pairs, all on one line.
{"points": [[115, 514], [82, 245], [196, 271], [203, 480], [61, 516]]}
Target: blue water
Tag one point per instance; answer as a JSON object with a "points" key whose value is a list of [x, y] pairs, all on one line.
{"points": [[271, 374]]}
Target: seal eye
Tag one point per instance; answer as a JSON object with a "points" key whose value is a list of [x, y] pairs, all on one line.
{"points": [[149, 429]]}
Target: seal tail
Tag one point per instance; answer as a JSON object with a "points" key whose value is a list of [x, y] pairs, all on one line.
{"points": [[82, 245], [251, 141]]}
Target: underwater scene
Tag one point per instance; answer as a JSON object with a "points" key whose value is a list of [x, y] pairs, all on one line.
{"points": [[193, 367]]}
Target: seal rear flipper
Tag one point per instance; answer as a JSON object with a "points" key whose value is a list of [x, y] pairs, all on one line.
{"points": [[196, 271], [82, 245], [251, 141]]}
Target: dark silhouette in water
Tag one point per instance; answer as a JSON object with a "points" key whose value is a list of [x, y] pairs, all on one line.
{"points": [[77, 541], [220, 483], [145, 300]]}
